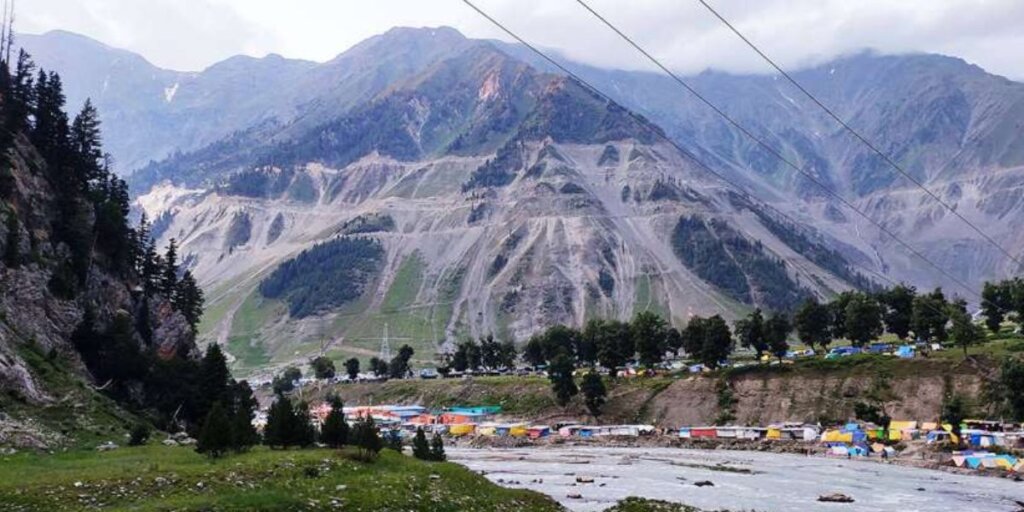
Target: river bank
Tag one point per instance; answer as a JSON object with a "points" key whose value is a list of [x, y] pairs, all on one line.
{"points": [[585, 478]]}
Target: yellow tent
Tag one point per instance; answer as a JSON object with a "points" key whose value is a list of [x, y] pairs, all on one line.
{"points": [[1003, 463], [837, 436], [489, 430], [517, 431], [902, 425], [462, 429], [929, 425], [774, 433]]}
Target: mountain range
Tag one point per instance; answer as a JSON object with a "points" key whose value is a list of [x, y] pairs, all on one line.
{"points": [[442, 186]]}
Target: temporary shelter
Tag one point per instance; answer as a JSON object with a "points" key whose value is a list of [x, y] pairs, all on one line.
{"points": [[461, 429], [538, 431], [684, 432], [705, 432]]}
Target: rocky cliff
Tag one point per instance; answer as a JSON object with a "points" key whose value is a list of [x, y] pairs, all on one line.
{"points": [[47, 393]]}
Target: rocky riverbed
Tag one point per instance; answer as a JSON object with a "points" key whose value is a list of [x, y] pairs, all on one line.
{"points": [[585, 478]]}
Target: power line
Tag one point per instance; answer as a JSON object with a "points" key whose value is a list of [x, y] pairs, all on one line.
{"points": [[775, 152], [860, 137], [693, 157]]}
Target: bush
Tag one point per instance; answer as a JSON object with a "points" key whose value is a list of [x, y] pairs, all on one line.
{"points": [[139, 435]]}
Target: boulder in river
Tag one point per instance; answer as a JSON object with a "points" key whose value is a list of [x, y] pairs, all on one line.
{"points": [[704, 483], [835, 497]]}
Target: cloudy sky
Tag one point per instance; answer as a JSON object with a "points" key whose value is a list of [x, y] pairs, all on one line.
{"points": [[192, 34]]}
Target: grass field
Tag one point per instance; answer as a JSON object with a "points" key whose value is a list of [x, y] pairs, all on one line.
{"points": [[176, 478]]}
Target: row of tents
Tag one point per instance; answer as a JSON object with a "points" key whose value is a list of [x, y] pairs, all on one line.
{"points": [[987, 460]]}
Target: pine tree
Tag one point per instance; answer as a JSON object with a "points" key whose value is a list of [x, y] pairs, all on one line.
{"points": [[243, 410], [189, 300], [420, 446], [303, 433], [215, 435], [334, 431], [366, 438], [169, 274], [214, 378], [594, 392], [280, 424], [85, 142], [437, 449]]}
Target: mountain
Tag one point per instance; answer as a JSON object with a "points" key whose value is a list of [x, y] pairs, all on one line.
{"points": [[491, 194], [476, 195]]}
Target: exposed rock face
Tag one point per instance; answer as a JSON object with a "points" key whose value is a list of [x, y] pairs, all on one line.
{"points": [[32, 318]]}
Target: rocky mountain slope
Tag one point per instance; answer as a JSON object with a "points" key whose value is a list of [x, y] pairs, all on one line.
{"points": [[502, 200], [501, 203], [77, 333]]}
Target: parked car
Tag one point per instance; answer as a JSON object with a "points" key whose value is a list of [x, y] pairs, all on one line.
{"points": [[428, 373]]}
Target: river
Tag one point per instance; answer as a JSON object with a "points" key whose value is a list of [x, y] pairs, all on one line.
{"points": [[765, 482]]}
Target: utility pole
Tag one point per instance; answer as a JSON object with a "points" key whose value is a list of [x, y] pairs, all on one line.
{"points": [[385, 347]]}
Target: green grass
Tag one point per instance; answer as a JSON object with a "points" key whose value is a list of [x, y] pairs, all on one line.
{"points": [[176, 478]]}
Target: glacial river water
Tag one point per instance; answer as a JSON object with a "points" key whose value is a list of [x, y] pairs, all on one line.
{"points": [[774, 483]]}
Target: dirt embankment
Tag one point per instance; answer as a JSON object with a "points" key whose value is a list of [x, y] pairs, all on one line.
{"points": [[827, 393]]}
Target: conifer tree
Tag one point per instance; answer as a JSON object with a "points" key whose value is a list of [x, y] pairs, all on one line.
{"points": [[169, 273], [437, 449], [188, 299], [214, 378], [303, 433], [594, 392], [334, 431], [215, 435], [243, 410], [278, 432], [420, 446], [366, 438]]}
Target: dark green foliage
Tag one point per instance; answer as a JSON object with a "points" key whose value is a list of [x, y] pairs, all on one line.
{"points": [[819, 253], [873, 414], [963, 330], [325, 276], [863, 319], [259, 183], [707, 340], [571, 188], [352, 368], [614, 344], [594, 392], [750, 332], [214, 379], [437, 449], [215, 434], [368, 223], [501, 170], [285, 382], [497, 265], [420, 445], [996, 302], [812, 322], [323, 367], [649, 333], [533, 352], [606, 281], [239, 231], [138, 435], [288, 425], [1011, 382], [559, 340], [366, 438], [609, 157], [496, 355], [169, 273], [242, 410], [468, 356], [742, 269], [954, 411], [776, 331], [399, 367], [560, 373], [334, 431], [930, 316], [662, 191], [392, 440], [898, 308]]}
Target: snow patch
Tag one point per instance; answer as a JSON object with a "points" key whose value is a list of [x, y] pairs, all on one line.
{"points": [[170, 91]]}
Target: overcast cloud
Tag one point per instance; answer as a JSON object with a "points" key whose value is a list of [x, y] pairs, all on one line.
{"points": [[192, 34]]}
